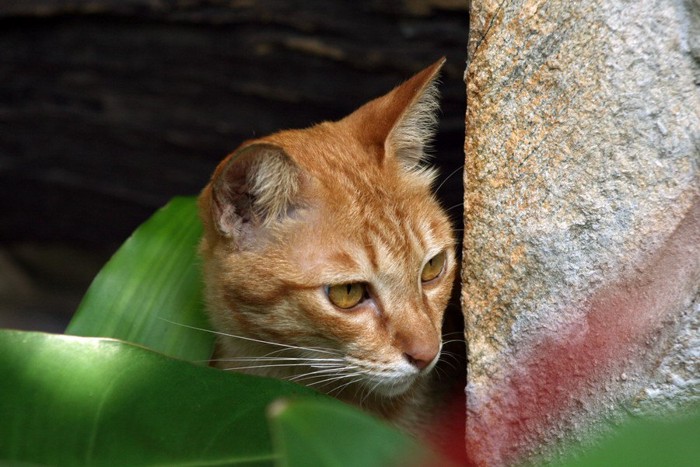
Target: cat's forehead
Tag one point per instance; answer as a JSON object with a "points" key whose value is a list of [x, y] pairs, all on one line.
{"points": [[365, 213], [328, 149], [387, 240], [348, 173]]}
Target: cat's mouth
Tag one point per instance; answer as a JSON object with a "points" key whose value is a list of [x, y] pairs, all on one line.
{"points": [[390, 380]]}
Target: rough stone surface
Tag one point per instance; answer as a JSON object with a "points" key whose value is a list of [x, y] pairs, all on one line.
{"points": [[582, 219]]}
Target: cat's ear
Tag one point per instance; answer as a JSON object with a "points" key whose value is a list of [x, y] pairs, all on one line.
{"points": [[417, 102], [253, 187], [403, 121]]}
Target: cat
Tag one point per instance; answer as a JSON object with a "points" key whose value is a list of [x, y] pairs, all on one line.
{"points": [[328, 261]]}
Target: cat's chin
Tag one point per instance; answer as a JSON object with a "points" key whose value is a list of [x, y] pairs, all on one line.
{"points": [[392, 388]]}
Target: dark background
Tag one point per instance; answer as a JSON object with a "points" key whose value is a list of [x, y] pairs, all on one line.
{"points": [[110, 108]]}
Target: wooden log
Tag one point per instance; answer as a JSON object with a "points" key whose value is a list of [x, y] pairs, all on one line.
{"points": [[109, 108]]}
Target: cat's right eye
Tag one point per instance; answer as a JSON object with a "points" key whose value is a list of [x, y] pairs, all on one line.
{"points": [[346, 296]]}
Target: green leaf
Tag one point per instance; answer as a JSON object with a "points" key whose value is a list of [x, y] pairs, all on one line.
{"points": [[88, 401], [151, 287], [324, 433], [647, 443]]}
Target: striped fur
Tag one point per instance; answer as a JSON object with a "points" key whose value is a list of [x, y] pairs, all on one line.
{"points": [[341, 202]]}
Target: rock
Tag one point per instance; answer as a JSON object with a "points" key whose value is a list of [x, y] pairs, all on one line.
{"points": [[582, 219]]}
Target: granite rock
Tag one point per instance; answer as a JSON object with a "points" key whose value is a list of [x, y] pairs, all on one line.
{"points": [[581, 252]]}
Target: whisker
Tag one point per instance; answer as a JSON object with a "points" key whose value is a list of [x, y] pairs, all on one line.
{"points": [[450, 341], [453, 207], [259, 341], [453, 356], [456, 356], [448, 177], [278, 351], [256, 367], [340, 389], [327, 381], [440, 373], [276, 359], [453, 333], [317, 373], [446, 362], [370, 391]]}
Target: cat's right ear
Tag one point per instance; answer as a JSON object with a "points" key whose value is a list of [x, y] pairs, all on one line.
{"points": [[251, 189]]}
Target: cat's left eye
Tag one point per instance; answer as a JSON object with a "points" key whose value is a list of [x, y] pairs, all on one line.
{"points": [[433, 267]]}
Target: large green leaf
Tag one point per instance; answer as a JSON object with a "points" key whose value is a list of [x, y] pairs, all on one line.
{"points": [[151, 287], [327, 434], [68, 400]]}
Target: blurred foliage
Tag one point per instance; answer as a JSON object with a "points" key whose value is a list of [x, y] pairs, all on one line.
{"points": [[673, 442]]}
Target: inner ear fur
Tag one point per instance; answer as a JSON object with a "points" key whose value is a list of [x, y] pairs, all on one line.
{"points": [[417, 121], [252, 188], [403, 121]]}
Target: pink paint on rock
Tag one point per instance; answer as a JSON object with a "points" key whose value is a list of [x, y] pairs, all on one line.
{"points": [[625, 330]]}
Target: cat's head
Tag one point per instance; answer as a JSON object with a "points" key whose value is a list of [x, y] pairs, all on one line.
{"points": [[330, 239]]}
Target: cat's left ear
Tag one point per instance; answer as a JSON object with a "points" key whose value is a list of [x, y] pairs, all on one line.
{"points": [[404, 121], [251, 189]]}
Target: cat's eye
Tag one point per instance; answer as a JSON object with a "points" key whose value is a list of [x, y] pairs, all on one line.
{"points": [[433, 267], [346, 295]]}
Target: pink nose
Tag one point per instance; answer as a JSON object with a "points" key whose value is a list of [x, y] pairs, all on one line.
{"points": [[421, 355]]}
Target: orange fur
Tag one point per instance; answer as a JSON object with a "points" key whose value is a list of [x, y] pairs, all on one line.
{"points": [[341, 202]]}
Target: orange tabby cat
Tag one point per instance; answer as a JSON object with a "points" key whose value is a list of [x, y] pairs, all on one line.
{"points": [[328, 261]]}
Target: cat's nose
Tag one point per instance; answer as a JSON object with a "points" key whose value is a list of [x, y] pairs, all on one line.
{"points": [[421, 356]]}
